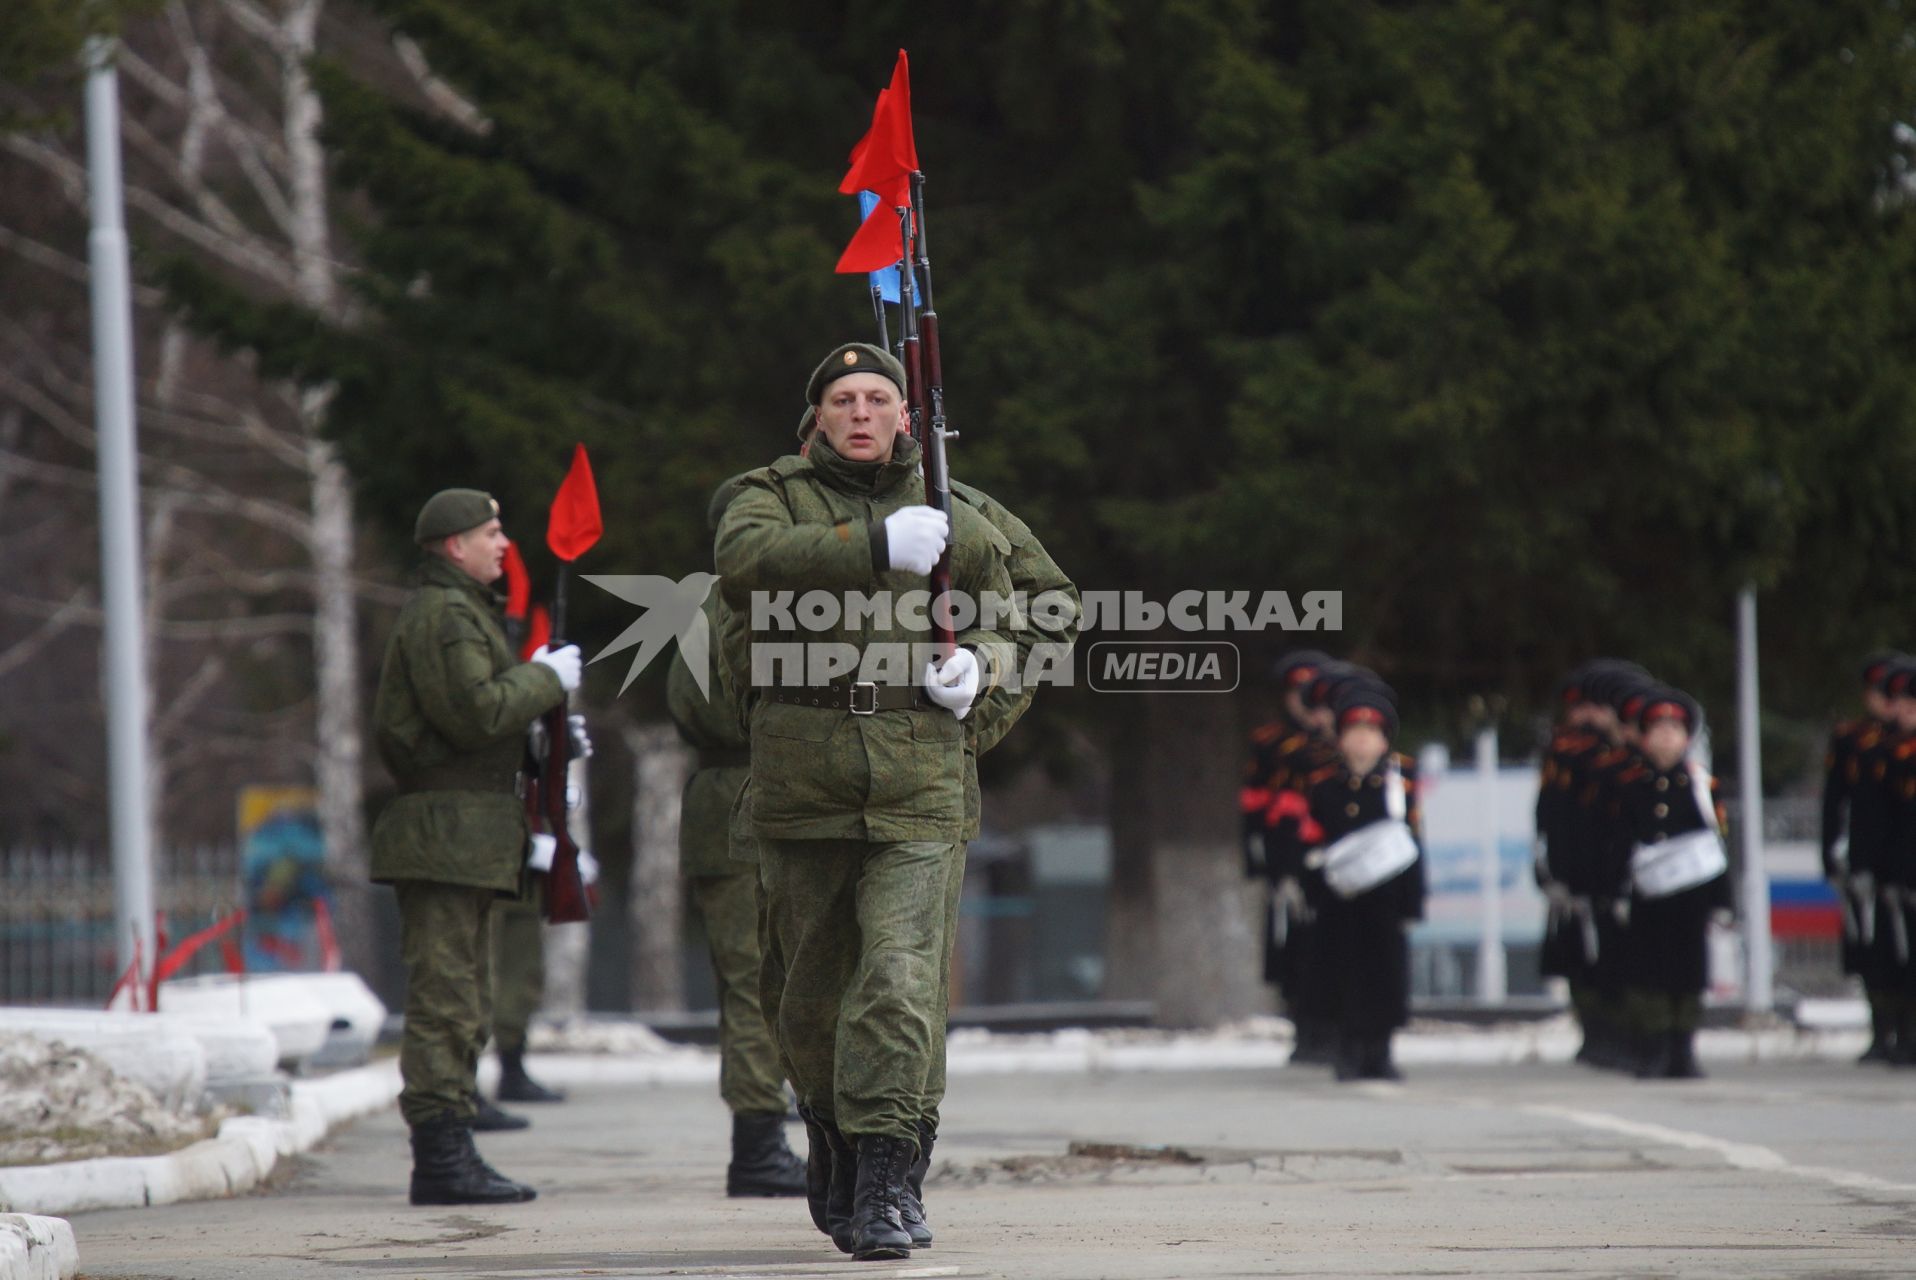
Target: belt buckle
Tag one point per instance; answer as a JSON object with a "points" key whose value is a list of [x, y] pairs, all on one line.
{"points": [[872, 688]]}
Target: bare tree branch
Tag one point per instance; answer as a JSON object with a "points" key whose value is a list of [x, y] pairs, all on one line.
{"points": [[56, 623], [202, 682], [441, 95]]}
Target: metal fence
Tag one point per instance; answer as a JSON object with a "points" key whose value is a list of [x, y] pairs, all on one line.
{"points": [[57, 942]]}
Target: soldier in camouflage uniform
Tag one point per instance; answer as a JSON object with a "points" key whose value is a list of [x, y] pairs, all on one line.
{"points": [[1051, 615], [858, 789], [450, 720], [723, 881]]}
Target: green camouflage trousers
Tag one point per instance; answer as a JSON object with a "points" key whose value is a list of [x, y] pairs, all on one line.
{"points": [[935, 1078], [518, 969], [857, 955], [750, 1079], [445, 933]]}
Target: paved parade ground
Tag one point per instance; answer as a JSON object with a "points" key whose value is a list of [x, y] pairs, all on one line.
{"points": [[1772, 1169]]}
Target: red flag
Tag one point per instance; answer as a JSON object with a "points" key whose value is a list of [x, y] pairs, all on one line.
{"points": [[518, 582], [877, 245], [538, 633], [574, 525], [328, 941], [885, 158]]}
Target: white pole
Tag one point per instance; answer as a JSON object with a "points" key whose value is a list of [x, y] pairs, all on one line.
{"points": [[125, 645], [1759, 987], [1493, 983]]}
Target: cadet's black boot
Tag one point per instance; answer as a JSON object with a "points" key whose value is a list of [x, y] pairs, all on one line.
{"points": [[516, 1086], [877, 1230], [487, 1118], [911, 1209], [762, 1165], [1653, 1056], [1882, 1032], [1316, 1044], [844, 1190], [818, 1168], [1377, 1063], [446, 1169], [1902, 1049], [1683, 1063], [1348, 1064]]}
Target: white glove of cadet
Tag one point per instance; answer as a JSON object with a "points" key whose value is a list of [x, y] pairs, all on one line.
{"points": [[916, 537], [581, 741], [564, 663], [543, 847], [953, 683]]}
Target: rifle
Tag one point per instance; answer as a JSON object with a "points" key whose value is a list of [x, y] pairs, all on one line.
{"points": [[924, 379]]}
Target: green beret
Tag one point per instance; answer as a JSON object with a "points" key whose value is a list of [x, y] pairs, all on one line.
{"points": [[722, 498], [453, 511], [807, 424], [854, 357]]}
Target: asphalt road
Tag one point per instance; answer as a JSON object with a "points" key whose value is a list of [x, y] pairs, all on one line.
{"points": [[1798, 1169]]}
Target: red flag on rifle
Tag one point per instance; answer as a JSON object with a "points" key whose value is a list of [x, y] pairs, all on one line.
{"points": [[574, 525], [538, 633], [882, 163], [518, 583]]}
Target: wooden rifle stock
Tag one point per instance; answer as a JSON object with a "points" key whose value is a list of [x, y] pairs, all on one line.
{"points": [[925, 394]]}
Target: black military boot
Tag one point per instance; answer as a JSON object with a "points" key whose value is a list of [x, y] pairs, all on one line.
{"points": [[842, 1198], [516, 1086], [1882, 1032], [1653, 1055], [762, 1165], [1683, 1063], [1348, 1063], [911, 1209], [1316, 1044], [1377, 1061], [487, 1118], [877, 1229], [1902, 1049], [446, 1168], [818, 1168]]}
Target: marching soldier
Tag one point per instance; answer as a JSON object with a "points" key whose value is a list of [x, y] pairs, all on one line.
{"points": [[1855, 831], [450, 719], [858, 782], [1665, 804], [723, 879], [1363, 833]]}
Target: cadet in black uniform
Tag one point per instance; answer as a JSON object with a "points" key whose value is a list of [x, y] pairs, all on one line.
{"points": [[1666, 807], [1894, 951], [1855, 813], [1283, 753], [1363, 835], [1613, 690]]}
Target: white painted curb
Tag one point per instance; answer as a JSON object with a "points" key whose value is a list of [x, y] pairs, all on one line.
{"points": [[1079, 1051], [36, 1248], [237, 1160]]}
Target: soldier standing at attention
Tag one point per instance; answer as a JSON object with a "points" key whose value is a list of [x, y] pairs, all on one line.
{"points": [[1667, 811], [858, 787], [450, 720], [1363, 830], [1855, 825], [722, 877]]}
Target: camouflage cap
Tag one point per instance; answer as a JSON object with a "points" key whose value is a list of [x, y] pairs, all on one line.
{"points": [[808, 423], [854, 357], [453, 511]]}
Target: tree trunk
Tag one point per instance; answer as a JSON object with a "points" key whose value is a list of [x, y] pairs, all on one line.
{"points": [[1182, 926], [340, 768], [661, 765]]}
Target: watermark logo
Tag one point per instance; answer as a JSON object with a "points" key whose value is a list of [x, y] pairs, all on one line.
{"points": [[1163, 666], [673, 610]]}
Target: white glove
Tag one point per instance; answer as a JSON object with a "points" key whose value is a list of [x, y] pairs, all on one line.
{"points": [[953, 683], [543, 847], [588, 868], [581, 741], [564, 663], [916, 537]]}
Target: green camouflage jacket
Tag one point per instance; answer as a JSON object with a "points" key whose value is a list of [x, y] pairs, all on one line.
{"points": [[712, 727], [1033, 573], [806, 524], [450, 722]]}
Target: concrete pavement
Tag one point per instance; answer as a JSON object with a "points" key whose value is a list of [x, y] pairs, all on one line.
{"points": [[1767, 1169]]}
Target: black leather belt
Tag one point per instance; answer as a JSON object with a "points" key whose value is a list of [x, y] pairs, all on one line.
{"points": [[861, 698]]}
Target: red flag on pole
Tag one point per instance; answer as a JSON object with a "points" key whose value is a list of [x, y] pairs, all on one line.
{"points": [[574, 525], [878, 244], [538, 633], [518, 582], [885, 158]]}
